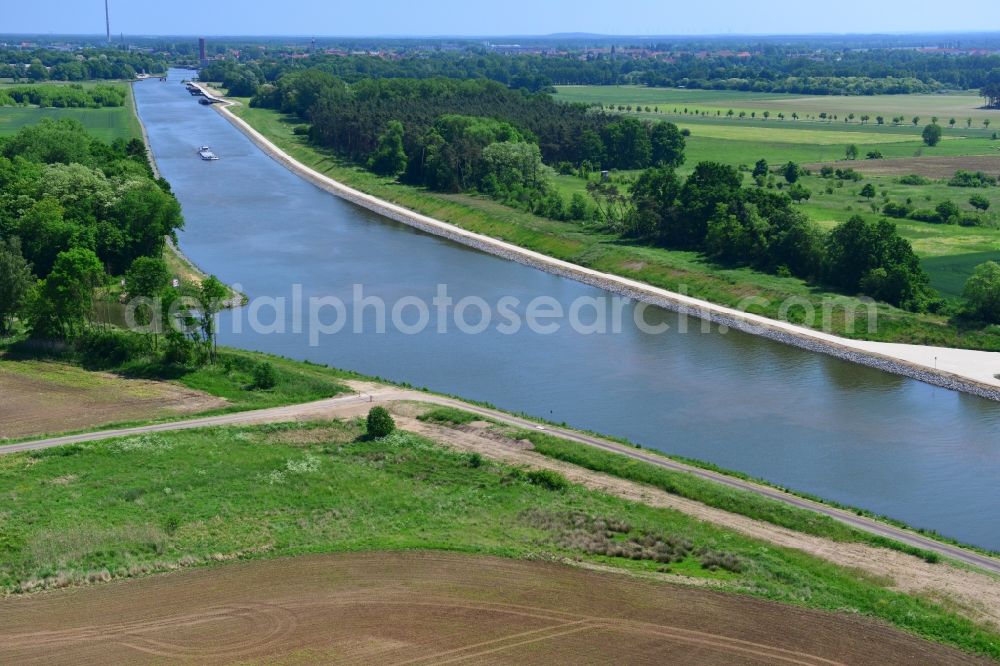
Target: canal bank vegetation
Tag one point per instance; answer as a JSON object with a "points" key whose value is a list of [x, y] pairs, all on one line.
{"points": [[161, 501], [759, 508], [483, 139], [689, 271], [84, 225], [682, 484]]}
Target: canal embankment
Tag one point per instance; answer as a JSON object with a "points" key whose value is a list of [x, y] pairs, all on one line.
{"points": [[968, 371]]}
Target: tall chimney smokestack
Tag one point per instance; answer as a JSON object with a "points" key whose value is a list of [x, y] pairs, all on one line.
{"points": [[107, 20]]}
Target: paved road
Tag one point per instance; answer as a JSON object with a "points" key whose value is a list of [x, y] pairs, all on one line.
{"points": [[330, 406]]}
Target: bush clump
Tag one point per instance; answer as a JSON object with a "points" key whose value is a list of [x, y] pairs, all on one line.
{"points": [[897, 210], [448, 416], [265, 376], [972, 179], [380, 423], [546, 478], [713, 561], [99, 349]]}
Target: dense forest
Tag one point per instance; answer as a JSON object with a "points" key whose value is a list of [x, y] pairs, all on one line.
{"points": [[74, 211], [86, 64], [478, 135], [849, 72]]}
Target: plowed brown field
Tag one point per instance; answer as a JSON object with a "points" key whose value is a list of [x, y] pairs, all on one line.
{"points": [[423, 608], [928, 167], [40, 397]]}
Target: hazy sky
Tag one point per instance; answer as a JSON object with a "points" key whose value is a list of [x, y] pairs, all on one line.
{"points": [[495, 17]]}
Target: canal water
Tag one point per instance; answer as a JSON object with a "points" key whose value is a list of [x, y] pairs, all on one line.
{"points": [[921, 454]]}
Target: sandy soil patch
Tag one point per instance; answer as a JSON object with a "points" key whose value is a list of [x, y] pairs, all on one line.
{"points": [[396, 608]]}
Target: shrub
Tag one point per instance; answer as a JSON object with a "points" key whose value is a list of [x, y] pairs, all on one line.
{"points": [[799, 193], [874, 155], [982, 292], [897, 210], [108, 349], [380, 423], [181, 350], [301, 130], [171, 524], [848, 174], [914, 179], [475, 460], [979, 202], [948, 212], [546, 478], [924, 215], [264, 376], [972, 179]]}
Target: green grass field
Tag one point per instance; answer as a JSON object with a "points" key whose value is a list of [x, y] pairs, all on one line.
{"points": [[742, 141], [127, 507], [105, 124], [775, 133]]}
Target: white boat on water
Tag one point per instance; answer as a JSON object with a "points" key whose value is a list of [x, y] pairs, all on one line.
{"points": [[206, 153]]}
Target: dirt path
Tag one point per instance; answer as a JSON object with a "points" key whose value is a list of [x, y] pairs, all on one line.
{"points": [[424, 608], [977, 594]]}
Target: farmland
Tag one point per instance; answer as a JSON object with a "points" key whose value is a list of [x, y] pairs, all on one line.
{"points": [[42, 396], [717, 136], [950, 253], [944, 106], [166, 501], [106, 124], [332, 607]]}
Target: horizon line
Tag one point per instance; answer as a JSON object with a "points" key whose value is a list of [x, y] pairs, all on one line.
{"points": [[564, 35]]}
